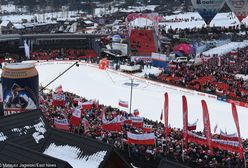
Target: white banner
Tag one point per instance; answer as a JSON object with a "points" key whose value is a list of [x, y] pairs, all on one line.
{"points": [[120, 46], [140, 136]]}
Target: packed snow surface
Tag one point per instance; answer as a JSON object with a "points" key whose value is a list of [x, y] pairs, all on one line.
{"points": [[109, 87], [224, 49]]}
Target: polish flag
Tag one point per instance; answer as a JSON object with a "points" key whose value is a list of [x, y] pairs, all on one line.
{"points": [[58, 99], [76, 117], [113, 125], [229, 137], [137, 122], [192, 127], [61, 124], [141, 139], [123, 103], [147, 128], [86, 105]]}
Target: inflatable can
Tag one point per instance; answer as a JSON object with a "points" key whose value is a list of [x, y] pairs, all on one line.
{"points": [[20, 83]]}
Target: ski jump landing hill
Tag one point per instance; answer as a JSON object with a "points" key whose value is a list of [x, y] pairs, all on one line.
{"points": [[109, 87]]}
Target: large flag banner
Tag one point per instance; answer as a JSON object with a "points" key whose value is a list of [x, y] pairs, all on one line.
{"points": [[207, 128], [113, 125], [185, 119], [76, 117], [141, 139], [58, 100], [232, 146], [228, 137], [166, 114], [236, 120], [123, 103], [137, 122], [62, 124]]}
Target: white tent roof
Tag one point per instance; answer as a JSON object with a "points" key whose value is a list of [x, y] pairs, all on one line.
{"points": [[5, 23], [19, 26], [141, 22]]}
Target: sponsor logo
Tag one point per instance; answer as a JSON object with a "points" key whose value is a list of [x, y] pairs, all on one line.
{"points": [[238, 4], [10, 112], [204, 2], [201, 94], [208, 2]]}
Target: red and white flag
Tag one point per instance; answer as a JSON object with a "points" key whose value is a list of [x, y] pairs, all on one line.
{"points": [[192, 127], [113, 125], [86, 105], [207, 128], [137, 122], [217, 143], [228, 137], [61, 124], [123, 103], [58, 99], [147, 128], [141, 139], [76, 117]]}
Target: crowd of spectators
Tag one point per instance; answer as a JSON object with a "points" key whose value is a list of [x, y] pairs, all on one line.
{"points": [[195, 155], [217, 75], [206, 33], [63, 53]]}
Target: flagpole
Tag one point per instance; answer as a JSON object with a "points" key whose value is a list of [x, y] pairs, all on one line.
{"points": [[131, 95]]}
